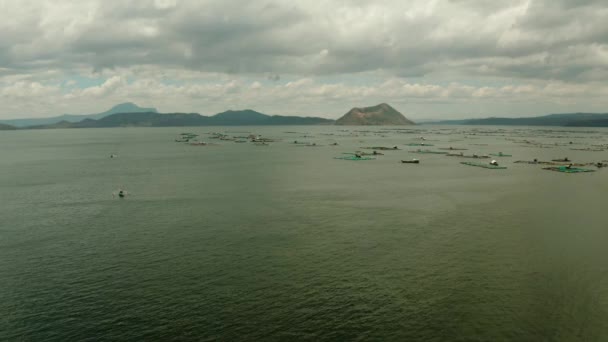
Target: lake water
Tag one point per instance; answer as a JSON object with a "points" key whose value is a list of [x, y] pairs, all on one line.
{"points": [[284, 242]]}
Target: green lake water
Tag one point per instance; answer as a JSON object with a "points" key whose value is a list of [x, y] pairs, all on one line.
{"points": [[284, 242]]}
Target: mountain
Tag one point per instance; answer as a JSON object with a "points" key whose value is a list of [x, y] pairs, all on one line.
{"points": [[251, 117], [589, 123], [126, 107], [239, 117], [298, 120], [5, 127], [568, 119], [152, 119], [380, 115]]}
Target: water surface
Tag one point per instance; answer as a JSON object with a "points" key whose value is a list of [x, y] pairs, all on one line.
{"points": [[244, 242]]}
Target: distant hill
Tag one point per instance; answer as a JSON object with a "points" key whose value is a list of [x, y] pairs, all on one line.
{"points": [[127, 107], [569, 119], [152, 119], [5, 127], [380, 115], [298, 120], [589, 123], [239, 117], [251, 117]]}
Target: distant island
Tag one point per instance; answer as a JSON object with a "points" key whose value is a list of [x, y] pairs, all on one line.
{"points": [[131, 115], [127, 107], [5, 127], [564, 120], [379, 115]]}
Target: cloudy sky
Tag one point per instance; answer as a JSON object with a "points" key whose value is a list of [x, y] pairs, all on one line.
{"points": [[430, 59]]}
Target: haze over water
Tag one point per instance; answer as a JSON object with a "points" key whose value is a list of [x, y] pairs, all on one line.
{"points": [[283, 242]]}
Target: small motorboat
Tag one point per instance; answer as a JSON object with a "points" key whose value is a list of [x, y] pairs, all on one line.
{"points": [[120, 193], [413, 161]]}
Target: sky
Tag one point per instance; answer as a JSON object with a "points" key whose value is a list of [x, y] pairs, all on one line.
{"points": [[430, 59]]}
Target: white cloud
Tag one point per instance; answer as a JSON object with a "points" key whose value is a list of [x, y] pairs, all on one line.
{"points": [[24, 90], [109, 86], [201, 54]]}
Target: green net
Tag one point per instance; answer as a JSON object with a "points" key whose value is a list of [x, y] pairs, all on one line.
{"points": [[565, 169]]}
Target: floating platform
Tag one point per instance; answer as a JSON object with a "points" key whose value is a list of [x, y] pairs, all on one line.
{"points": [[354, 158], [428, 152], [381, 148], [533, 162], [364, 154], [485, 166], [588, 149], [474, 156], [540, 162], [566, 169], [308, 145]]}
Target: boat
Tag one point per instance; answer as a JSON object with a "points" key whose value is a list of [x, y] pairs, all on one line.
{"points": [[500, 154], [120, 193], [413, 161]]}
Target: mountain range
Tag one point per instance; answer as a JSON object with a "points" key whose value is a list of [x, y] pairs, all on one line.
{"points": [[5, 127], [154, 119], [379, 115], [568, 120], [127, 107], [131, 115]]}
